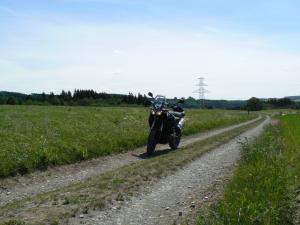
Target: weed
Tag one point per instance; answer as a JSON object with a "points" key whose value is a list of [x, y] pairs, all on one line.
{"points": [[120, 197], [14, 222], [85, 210], [98, 204], [54, 222], [66, 201]]}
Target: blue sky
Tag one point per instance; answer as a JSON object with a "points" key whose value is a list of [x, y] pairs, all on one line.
{"points": [[243, 48]]}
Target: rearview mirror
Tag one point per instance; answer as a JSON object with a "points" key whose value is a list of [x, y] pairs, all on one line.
{"points": [[150, 94]]}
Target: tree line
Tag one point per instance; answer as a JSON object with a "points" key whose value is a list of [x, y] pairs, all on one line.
{"points": [[78, 97], [256, 104], [93, 98]]}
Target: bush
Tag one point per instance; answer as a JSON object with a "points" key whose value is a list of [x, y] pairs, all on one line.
{"points": [[12, 101]]}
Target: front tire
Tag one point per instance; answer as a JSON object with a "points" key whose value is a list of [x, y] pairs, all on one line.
{"points": [[174, 139], [152, 141]]}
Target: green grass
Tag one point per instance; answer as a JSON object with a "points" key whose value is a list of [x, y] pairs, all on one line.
{"points": [[34, 137], [262, 190], [117, 185]]}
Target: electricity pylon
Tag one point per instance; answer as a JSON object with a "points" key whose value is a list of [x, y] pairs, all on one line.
{"points": [[201, 91]]}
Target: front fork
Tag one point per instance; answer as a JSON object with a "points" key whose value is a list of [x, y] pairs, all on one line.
{"points": [[156, 123]]}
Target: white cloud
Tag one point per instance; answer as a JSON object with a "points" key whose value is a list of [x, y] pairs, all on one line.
{"points": [[166, 62]]}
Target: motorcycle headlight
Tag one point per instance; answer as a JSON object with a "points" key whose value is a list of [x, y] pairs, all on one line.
{"points": [[158, 113]]}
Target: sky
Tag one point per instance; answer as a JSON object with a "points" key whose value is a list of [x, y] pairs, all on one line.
{"points": [[242, 48]]}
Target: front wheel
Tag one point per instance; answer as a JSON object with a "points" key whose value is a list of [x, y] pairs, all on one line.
{"points": [[152, 141], [174, 139]]}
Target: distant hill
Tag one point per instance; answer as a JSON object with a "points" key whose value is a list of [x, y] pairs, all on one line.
{"points": [[19, 96], [294, 98], [215, 104]]}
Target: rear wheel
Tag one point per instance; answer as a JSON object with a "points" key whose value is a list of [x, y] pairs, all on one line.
{"points": [[152, 141]]}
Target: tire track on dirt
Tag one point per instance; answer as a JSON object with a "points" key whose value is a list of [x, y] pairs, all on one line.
{"points": [[163, 201], [20, 187]]}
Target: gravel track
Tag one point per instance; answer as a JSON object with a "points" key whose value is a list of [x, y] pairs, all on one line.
{"points": [[162, 202], [19, 187]]}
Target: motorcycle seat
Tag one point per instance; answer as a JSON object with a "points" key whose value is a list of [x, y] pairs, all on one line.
{"points": [[178, 114]]}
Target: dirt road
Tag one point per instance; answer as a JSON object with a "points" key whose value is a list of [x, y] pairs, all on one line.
{"points": [[169, 197], [16, 188]]}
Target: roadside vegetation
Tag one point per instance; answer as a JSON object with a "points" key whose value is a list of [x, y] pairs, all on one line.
{"points": [[263, 188], [34, 137], [113, 187]]}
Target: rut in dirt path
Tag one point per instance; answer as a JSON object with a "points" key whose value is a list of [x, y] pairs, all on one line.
{"points": [[164, 200], [17, 188]]}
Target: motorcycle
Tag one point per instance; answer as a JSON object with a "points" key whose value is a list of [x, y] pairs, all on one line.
{"points": [[165, 124]]}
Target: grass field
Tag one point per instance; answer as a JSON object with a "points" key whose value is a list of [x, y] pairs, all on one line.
{"points": [[263, 188], [34, 137]]}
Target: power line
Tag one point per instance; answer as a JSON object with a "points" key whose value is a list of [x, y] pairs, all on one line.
{"points": [[201, 91]]}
